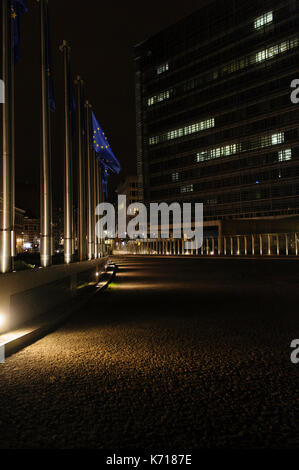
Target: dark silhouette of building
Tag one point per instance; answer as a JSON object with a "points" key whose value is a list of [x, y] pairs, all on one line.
{"points": [[215, 122]]}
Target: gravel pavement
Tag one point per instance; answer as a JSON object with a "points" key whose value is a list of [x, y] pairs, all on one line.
{"points": [[176, 353]]}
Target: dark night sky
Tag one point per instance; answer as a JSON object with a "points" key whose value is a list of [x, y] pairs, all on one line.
{"points": [[102, 36]]}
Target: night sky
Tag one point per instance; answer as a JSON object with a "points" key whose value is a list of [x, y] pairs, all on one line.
{"points": [[102, 36]]}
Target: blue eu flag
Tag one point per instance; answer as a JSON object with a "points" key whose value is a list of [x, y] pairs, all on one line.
{"points": [[17, 8], [105, 177], [101, 146], [51, 99]]}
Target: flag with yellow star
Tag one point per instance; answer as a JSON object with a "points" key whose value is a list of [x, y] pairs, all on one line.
{"points": [[17, 8], [101, 146]]}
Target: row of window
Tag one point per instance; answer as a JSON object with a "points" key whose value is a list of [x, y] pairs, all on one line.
{"points": [[248, 184], [283, 156], [275, 50], [164, 95], [227, 150], [183, 131], [259, 23], [242, 63], [184, 168], [224, 181]]}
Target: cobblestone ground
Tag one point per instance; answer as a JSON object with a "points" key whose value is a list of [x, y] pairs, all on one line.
{"points": [[177, 353]]}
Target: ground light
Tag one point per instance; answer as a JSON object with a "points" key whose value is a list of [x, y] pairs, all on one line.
{"points": [[2, 319]]}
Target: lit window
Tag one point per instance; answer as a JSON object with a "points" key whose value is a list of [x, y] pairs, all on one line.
{"points": [[162, 68], [263, 20], [217, 152], [184, 131], [175, 177], [268, 140], [165, 95], [277, 138], [154, 140], [187, 189], [273, 51], [285, 155]]}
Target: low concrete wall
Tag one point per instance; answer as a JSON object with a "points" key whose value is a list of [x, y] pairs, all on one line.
{"points": [[26, 295]]}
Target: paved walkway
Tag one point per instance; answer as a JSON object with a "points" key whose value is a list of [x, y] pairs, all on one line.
{"points": [[177, 353]]}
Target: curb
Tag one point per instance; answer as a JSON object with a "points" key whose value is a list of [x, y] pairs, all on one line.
{"points": [[34, 331]]}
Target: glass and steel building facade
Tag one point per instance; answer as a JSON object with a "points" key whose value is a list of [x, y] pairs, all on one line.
{"points": [[215, 122]]}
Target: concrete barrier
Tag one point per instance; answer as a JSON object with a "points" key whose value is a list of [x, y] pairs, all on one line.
{"points": [[25, 295]]}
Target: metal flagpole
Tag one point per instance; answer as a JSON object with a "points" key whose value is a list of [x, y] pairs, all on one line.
{"points": [[81, 179], [13, 185], [89, 183], [45, 178], [6, 197], [95, 202], [101, 199], [68, 186]]}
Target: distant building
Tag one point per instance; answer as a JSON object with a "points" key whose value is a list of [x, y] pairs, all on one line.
{"points": [[19, 230], [31, 231], [129, 188], [215, 122], [58, 228]]}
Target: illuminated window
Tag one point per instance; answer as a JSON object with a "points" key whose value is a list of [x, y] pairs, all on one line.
{"points": [[217, 152], [165, 95], [285, 155], [187, 189], [163, 68], [175, 177], [263, 20], [277, 138], [154, 140], [273, 51], [256, 143], [183, 131], [268, 140]]}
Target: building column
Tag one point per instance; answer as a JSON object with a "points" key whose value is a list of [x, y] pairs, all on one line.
{"points": [[245, 245], [287, 245], [277, 245], [224, 246], [269, 244], [253, 245], [238, 246], [219, 245], [231, 246], [261, 245]]}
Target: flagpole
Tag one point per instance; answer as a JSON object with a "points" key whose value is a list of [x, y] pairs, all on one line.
{"points": [[13, 178], [90, 212], [6, 197], [45, 178], [81, 179], [68, 186], [98, 202], [95, 202], [100, 199]]}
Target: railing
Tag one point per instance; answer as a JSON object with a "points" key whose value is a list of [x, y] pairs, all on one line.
{"points": [[277, 244]]}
